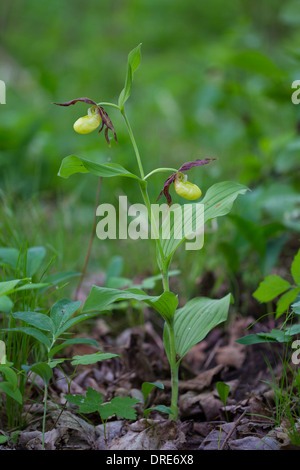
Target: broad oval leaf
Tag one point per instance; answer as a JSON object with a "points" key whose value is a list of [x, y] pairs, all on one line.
{"points": [[194, 321], [73, 164], [217, 202]]}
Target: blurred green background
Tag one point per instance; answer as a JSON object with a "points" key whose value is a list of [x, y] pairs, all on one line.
{"points": [[215, 81]]}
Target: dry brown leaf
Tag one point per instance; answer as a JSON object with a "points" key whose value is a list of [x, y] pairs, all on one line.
{"points": [[232, 355], [152, 437]]}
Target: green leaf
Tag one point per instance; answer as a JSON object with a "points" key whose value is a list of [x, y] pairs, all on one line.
{"points": [[223, 391], [296, 308], [36, 319], [3, 439], [270, 288], [122, 407], [160, 408], [87, 404], [9, 375], [61, 312], [101, 297], [8, 286], [133, 62], [252, 339], [194, 321], [92, 358], [219, 199], [37, 334], [6, 304], [285, 301], [115, 267], [9, 256], [293, 330], [31, 286], [7, 388], [42, 369], [73, 164], [295, 268], [35, 256], [217, 202], [147, 387], [274, 336], [57, 348]]}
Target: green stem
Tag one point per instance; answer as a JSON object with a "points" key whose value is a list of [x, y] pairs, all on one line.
{"points": [[44, 415], [112, 105], [136, 150], [174, 371], [160, 170], [143, 186], [165, 278]]}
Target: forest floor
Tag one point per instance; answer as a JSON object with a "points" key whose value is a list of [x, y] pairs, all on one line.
{"points": [[249, 421]]}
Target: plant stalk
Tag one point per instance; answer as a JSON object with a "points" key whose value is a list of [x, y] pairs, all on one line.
{"points": [[44, 415], [174, 371], [174, 366]]}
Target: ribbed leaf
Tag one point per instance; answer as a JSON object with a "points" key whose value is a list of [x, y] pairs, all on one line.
{"points": [[73, 164], [217, 202], [195, 320], [101, 297]]}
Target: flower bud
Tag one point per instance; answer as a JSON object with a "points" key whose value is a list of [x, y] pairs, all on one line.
{"points": [[186, 189], [89, 123]]}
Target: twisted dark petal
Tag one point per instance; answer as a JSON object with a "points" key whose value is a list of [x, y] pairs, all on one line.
{"points": [[188, 165], [107, 122], [165, 190], [85, 100]]}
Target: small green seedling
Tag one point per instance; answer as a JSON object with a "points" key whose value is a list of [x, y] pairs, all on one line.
{"points": [[119, 406], [147, 388], [223, 391]]}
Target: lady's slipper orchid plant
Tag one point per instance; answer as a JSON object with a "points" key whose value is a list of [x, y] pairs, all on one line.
{"points": [[186, 326]]}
